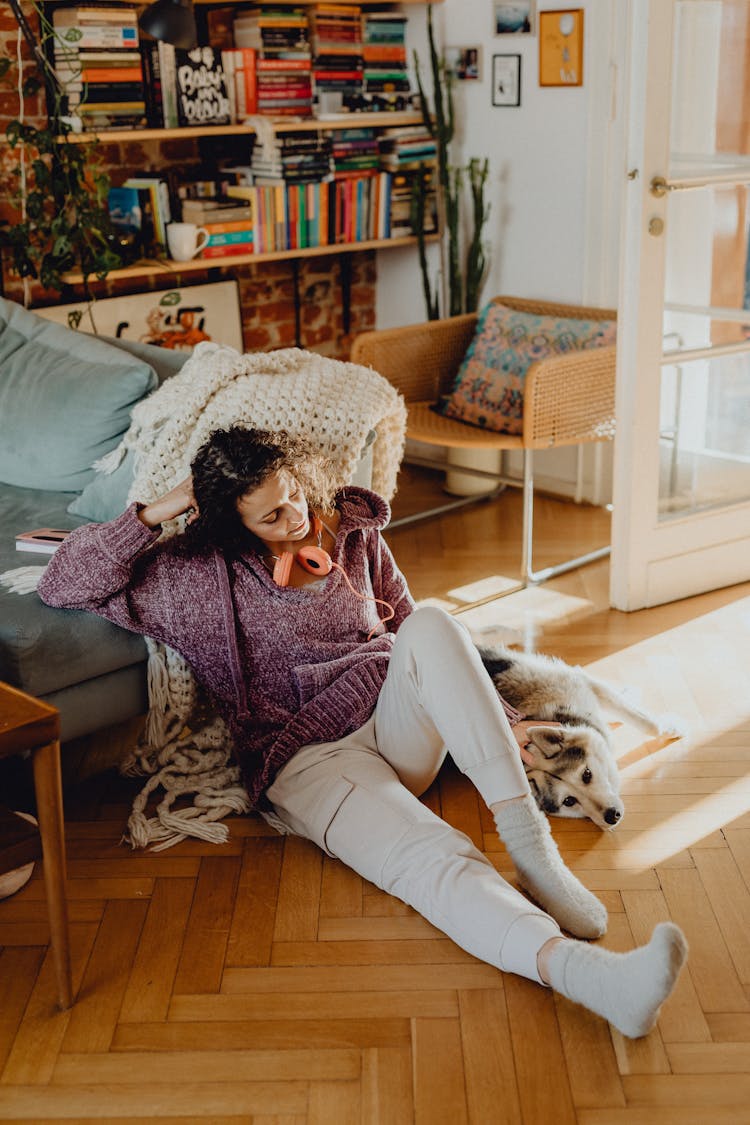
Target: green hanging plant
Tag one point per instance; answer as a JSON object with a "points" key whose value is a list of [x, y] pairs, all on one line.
{"points": [[464, 285], [57, 190]]}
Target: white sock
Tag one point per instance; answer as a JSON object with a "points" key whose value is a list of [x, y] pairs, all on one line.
{"points": [[526, 834], [626, 988]]}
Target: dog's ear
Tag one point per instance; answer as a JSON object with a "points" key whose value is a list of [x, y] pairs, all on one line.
{"points": [[547, 739]]}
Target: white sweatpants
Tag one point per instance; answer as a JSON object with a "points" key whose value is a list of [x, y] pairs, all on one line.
{"points": [[357, 797]]}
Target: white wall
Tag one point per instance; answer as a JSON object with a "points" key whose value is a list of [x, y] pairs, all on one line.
{"points": [[555, 175]]}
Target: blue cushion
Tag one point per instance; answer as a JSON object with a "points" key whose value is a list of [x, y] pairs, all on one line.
{"points": [[65, 400], [106, 496]]}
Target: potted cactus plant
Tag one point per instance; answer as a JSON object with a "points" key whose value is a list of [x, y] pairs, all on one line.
{"points": [[465, 259]]}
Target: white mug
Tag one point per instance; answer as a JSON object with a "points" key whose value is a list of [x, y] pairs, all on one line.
{"points": [[182, 239]]}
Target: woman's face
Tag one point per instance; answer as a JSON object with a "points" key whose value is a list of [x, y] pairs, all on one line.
{"points": [[276, 511]]}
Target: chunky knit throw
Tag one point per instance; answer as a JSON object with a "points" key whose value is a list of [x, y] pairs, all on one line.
{"points": [[334, 405]]}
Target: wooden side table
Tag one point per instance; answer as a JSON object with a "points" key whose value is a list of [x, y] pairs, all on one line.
{"points": [[28, 724]]}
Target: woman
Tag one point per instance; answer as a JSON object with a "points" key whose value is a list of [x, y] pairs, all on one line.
{"points": [[342, 698]]}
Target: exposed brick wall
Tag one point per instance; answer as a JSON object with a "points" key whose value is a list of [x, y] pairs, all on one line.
{"points": [[266, 290]]}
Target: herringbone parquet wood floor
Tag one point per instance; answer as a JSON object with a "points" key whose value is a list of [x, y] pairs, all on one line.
{"points": [[265, 983]]}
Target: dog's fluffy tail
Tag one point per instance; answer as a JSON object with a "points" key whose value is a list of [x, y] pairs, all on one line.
{"points": [[608, 696]]}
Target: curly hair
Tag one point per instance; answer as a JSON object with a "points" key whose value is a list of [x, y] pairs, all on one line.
{"points": [[237, 460]]}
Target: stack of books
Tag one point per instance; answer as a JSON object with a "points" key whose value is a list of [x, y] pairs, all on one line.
{"points": [[96, 58], [215, 209], [409, 153], [337, 49], [279, 36], [284, 87], [294, 158], [384, 51], [404, 186], [406, 146], [355, 151], [230, 222], [229, 237], [199, 190]]}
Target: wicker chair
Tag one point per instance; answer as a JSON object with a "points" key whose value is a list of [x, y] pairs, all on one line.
{"points": [[568, 400]]}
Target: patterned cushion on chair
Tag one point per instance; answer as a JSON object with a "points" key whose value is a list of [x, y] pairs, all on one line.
{"points": [[488, 391]]}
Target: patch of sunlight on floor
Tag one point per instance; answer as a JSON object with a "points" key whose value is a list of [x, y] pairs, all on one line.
{"points": [[526, 610], [441, 603], [683, 829], [698, 671], [483, 588]]}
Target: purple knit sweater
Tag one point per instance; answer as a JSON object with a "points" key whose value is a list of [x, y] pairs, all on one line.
{"points": [[284, 666]]}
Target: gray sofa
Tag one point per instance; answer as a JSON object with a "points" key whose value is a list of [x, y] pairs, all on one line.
{"points": [[65, 400]]}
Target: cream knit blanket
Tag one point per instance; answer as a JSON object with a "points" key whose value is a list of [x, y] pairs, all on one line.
{"points": [[334, 405]]}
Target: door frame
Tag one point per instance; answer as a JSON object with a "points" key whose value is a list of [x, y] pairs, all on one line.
{"points": [[654, 561]]}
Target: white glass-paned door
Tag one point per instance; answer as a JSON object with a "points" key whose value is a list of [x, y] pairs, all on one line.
{"points": [[681, 520]]}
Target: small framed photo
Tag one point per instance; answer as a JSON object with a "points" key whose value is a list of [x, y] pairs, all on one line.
{"points": [[464, 63], [506, 80], [561, 48], [514, 19]]}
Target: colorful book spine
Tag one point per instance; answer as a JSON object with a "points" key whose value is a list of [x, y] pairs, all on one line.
{"points": [[112, 74], [237, 249], [235, 228], [245, 81], [233, 238]]}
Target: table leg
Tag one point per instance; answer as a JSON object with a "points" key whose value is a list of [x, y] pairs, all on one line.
{"points": [[48, 787]]}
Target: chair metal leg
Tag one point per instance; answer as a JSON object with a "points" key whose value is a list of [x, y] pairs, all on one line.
{"points": [[449, 506], [529, 576], [527, 529], [496, 479]]}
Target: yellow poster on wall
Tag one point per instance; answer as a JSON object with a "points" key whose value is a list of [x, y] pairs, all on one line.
{"points": [[561, 48]]}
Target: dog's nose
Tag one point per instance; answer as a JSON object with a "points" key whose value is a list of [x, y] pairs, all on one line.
{"points": [[612, 816]]}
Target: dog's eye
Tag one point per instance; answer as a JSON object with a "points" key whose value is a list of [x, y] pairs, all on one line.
{"points": [[586, 776], [570, 801]]}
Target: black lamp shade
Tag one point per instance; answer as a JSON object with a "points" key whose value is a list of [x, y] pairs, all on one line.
{"points": [[173, 21]]}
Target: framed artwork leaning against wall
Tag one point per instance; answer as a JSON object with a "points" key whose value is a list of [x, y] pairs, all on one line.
{"points": [[176, 318]]}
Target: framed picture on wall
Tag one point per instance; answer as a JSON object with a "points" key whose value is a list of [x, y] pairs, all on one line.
{"points": [[506, 80], [561, 48], [176, 318], [513, 19], [464, 63]]}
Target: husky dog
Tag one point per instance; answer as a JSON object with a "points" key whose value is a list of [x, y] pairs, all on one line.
{"points": [[571, 768]]}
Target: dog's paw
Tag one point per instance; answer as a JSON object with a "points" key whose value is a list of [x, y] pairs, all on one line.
{"points": [[672, 725]]}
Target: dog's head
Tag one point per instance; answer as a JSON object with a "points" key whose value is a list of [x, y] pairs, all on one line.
{"points": [[572, 773]]}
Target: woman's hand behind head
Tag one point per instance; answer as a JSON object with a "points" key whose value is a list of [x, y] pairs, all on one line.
{"points": [[176, 502]]}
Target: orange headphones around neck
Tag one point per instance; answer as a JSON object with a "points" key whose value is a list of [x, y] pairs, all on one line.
{"points": [[315, 560], [312, 559]]}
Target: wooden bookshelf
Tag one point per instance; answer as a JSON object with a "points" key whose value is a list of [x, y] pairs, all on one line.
{"points": [[280, 124], [159, 268]]}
